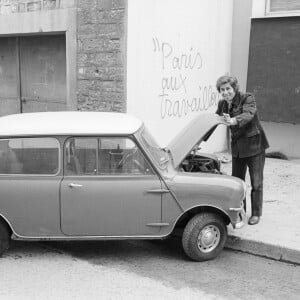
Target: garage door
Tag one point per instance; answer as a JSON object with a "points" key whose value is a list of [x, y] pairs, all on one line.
{"points": [[32, 74]]}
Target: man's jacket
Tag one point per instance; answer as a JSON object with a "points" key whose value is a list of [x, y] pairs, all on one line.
{"points": [[247, 137]]}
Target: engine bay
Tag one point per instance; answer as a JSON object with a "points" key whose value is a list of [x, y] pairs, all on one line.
{"points": [[199, 163]]}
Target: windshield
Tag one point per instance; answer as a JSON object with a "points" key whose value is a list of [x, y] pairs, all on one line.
{"points": [[159, 155]]}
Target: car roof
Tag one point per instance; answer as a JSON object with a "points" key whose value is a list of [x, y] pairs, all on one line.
{"points": [[68, 123]]}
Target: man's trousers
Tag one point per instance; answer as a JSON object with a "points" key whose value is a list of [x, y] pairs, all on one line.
{"points": [[255, 165]]}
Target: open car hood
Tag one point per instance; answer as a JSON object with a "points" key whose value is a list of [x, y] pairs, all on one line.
{"points": [[196, 131]]}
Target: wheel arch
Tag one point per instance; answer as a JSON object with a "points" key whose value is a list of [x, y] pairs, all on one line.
{"points": [[187, 215], [5, 223]]}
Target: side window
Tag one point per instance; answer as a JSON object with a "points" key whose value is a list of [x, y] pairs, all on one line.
{"points": [[80, 156], [121, 156], [29, 156]]}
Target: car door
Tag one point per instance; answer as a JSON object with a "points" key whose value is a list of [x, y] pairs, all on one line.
{"points": [[109, 189], [29, 183]]}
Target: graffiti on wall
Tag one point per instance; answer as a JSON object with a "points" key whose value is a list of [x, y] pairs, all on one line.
{"points": [[180, 92]]}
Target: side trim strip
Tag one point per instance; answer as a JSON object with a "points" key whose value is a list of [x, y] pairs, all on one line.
{"points": [[87, 238], [161, 191], [158, 224], [236, 208]]}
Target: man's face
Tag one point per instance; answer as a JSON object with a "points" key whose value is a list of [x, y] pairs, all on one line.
{"points": [[227, 92]]}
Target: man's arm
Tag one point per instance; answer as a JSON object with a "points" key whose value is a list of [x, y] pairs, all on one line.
{"points": [[249, 110]]}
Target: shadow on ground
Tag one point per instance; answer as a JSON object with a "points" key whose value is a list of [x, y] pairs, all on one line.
{"points": [[231, 275]]}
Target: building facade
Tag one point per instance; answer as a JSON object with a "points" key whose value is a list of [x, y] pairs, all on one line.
{"points": [[266, 58], [156, 59], [62, 55]]}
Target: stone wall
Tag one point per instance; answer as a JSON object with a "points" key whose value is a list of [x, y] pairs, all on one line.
{"points": [[101, 28], [22, 6]]}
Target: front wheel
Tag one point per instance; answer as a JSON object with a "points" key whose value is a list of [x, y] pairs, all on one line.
{"points": [[204, 237], [4, 237]]}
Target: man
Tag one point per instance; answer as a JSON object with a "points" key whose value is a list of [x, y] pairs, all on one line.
{"points": [[248, 139]]}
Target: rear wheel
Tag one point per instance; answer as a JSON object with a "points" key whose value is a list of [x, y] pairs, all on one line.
{"points": [[204, 237], [4, 237]]}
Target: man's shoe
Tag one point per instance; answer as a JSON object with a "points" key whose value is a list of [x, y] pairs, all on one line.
{"points": [[253, 220]]}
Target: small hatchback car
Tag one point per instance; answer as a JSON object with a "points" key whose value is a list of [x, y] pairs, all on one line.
{"points": [[100, 176]]}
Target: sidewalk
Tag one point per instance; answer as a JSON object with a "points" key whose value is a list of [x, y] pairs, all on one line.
{"points": [[277, 235]]}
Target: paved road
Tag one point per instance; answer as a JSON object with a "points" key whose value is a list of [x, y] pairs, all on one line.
{"points": [[139, 270]]}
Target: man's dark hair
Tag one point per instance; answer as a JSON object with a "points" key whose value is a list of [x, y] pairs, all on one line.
{"points": [[227, 79]]}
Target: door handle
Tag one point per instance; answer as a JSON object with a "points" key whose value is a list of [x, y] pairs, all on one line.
{"points": [[71, 185]]}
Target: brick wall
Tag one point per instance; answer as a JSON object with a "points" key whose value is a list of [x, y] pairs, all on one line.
{"points": [[101, 54]]}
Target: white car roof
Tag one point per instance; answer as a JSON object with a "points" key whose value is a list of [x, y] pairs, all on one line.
{"points": [[68, 123]]}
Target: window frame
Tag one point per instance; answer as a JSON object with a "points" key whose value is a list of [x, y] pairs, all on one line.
{"points": [[36, 174], [65, 156], [98, 174], [268, 11]]}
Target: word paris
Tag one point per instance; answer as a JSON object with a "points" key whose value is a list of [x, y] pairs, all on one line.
{"points": [[189, 60]]}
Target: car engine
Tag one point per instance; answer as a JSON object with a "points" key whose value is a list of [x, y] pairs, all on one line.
{"points": [[200, 163]]}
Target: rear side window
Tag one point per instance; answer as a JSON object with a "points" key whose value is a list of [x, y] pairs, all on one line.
{"points": [[29, 156]]}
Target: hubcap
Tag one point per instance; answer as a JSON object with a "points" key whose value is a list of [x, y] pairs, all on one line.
{"points": [[208, 238]]}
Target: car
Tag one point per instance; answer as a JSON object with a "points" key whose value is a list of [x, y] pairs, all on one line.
{"points": [[101, 176]]}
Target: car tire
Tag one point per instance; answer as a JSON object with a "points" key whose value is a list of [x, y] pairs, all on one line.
{"points": [[204, 237], [4, 237]]}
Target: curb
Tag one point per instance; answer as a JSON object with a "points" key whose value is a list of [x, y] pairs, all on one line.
{"points": [[275, 252]]}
